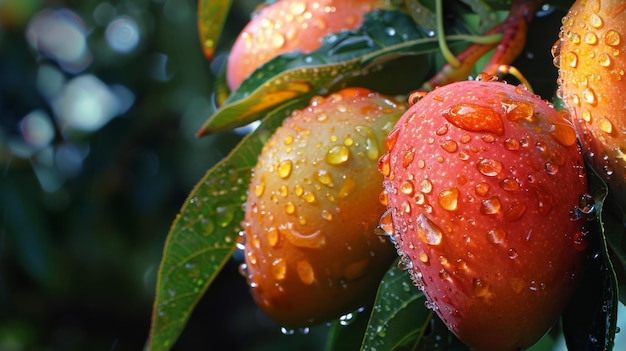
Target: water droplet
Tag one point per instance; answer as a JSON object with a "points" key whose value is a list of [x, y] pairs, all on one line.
{"points": [[305, 272], [509, 184], [287, 331], [595, 20], [348, 187], [406, 187], [324, 177], [589, 96], [279, 269], [383, 165], [284, 169], [271, 234], [605, 125], [489, 167], [570, 58], [563, 133], [259, 189], [575, 213], [408, 156], [371, 142], [586, 203], [448, 199], [580, 241], [590, 38], [337, 155], [327, 215], [392, 138], [290, 208], [481, 288], [449, 145], [427, 186], [423, 256], [604, 60], [309, 197], [515, 211], [428, 231], [442, 130], [347, 319], [430, 305], [517, 110], [473, 117], [612, 38], [481, 189], [404, 263], [490, 206], [385, 224], [496, 235], [513, 253], [225, 215]]}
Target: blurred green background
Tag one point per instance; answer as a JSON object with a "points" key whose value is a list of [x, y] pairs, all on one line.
{"points": [[99, 104]]}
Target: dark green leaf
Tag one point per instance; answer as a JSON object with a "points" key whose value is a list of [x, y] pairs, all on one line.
{"points": [[384, 35], [590, 320], [346, 334], [211, 18], [399, 318], [204, 234]]}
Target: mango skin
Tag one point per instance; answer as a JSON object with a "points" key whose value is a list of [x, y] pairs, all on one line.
{"points": [[484, 180], [289, 25], [311, 252], [591, 56]]}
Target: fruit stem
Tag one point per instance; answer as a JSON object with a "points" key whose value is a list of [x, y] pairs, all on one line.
{"points": [[512, 70], [441, 37], [513, 30]]}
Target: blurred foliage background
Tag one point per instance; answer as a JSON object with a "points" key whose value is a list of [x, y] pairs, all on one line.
{"points": [[99, 104]]}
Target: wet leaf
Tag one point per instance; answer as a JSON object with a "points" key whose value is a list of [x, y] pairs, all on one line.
{"points": [[211, 18], [590, 320], [399, 318], [204, 234], [347, 336], [384, 35]]}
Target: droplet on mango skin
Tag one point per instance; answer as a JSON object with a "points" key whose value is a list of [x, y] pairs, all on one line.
{"points": [[475, 118], [427, 231], [449, 198], [337, 155]]}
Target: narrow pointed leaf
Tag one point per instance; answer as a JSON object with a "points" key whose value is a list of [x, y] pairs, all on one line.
{"points": [[385, 34], [399, 317], [204, 234], [590, 320], [211, 17]]}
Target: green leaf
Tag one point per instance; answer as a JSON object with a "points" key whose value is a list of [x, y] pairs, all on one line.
{"points": [[211, 17], [204, 234], [346, 334], [384, 35], [590, 320], [399, 317]]}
